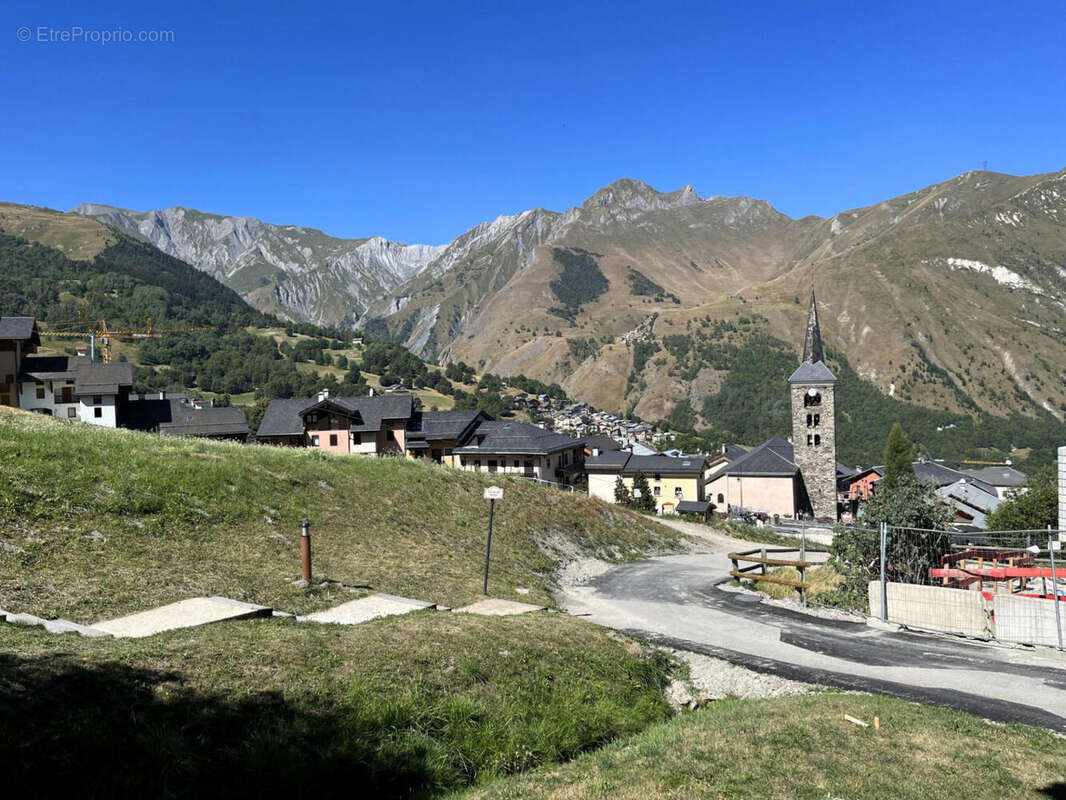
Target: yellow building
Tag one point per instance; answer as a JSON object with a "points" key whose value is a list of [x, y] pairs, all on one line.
{"points": [[672, 480]]}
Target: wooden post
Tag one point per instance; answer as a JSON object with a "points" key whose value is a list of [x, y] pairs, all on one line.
{"points": [[305, 549]]}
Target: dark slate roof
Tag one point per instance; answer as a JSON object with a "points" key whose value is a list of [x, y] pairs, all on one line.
{"points": [[734, 451], [47, 368], [103, 378], [283, 417], [693, 507], [939, 475], [773, 458], [504, 436], [629, 464], [604, 444], [19, 329], [808, 372], [443, 426], [998, 476], [172, 417], [88, 378], [812, 340]]}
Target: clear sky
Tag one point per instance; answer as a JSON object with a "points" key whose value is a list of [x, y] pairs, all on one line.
{"points": [[417, 120]]}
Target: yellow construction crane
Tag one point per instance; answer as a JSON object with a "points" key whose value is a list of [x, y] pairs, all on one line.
{"points": [[98, 331]]}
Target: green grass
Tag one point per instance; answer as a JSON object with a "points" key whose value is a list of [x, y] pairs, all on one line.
{"points": [[803, 747], [820, 580], [402, 707], [96, 523]]}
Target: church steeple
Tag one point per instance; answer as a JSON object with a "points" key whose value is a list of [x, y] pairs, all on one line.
{"points": [[812, 344]]}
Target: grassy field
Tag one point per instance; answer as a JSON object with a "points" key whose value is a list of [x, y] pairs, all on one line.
{"points": [[402, 707], [803, 747], [95, 523]]}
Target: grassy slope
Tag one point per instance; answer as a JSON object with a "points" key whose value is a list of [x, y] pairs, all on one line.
{"points": [[399, 707], [803, 747], [96, 523]]}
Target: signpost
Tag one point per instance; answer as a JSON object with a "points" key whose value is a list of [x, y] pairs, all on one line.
{"points": [[492, 494]]}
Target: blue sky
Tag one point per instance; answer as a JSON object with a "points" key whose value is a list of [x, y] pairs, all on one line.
{"points": [[417, 120]]}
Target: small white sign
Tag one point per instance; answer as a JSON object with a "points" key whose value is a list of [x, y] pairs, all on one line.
{"points": [[636, 493], [493, 493]]}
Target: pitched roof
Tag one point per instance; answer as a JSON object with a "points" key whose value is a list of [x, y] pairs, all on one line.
{"points": [[1005, 475], [438, 426], [103, 378], [283, 417], [89, 378], [601, 443], [773, 458], [808, 372], [172, 417], [19, 329], [939, 475], [693, 507], [628, 464], [505, 436]]}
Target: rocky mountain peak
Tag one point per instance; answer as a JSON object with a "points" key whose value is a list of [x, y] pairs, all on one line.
{"points": [[627, 198]]}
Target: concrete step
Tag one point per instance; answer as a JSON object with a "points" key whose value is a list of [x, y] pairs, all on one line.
{"points": [[367, 608], [25, 619], [183, 614], [66, 626], [493, 607]]}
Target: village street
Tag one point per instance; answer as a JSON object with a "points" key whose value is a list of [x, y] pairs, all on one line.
{"points": [[674, 601]]}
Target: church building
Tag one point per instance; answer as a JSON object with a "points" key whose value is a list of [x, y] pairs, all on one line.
{"points": [[798, 478]]}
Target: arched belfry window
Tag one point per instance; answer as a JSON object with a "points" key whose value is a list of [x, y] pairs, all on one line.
{"points": [[812, 398]]}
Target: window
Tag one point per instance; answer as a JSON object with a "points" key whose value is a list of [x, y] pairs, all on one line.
{"points": [[679, 492], [492, 465], [98, 412], [314, 441], [810, 440], [98, 400], [40, 391], [817, 440], [72, 413], [333, 440], [657, 490], [516, 463], [477, 463], [721, 498], [658, 477], [390, 435]]}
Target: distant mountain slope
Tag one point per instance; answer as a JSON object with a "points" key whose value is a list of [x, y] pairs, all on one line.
{"points": [[57, 266], [950, 297], [300, 273]]}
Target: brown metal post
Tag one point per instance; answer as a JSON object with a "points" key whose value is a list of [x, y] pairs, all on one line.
{"points": [[305, 549]]}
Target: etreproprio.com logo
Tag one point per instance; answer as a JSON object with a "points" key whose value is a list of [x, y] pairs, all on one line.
{"points": [[76, 34]]}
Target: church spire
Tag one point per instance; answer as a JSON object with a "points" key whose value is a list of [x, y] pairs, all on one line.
{"points": [[812, 343]]}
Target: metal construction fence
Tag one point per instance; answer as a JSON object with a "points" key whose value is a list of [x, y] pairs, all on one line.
{"points": [[993, 585]]}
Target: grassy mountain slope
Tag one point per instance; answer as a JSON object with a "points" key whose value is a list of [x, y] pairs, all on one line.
{"points": [[779, 748], [100, 522]]}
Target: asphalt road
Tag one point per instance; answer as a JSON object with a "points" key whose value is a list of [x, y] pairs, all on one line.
{"points": [[674, 601]]}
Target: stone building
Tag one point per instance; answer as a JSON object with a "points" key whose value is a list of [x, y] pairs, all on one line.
{"points": [[812, 388]]}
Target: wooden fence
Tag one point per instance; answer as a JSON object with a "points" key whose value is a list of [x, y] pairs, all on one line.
{"points": [[760, 561]]}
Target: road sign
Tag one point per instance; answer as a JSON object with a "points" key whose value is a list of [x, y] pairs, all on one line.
{"points": [[493, 493]]}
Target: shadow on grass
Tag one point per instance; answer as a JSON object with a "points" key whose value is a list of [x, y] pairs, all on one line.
{"points": [[1056, 790], [117, 731]]}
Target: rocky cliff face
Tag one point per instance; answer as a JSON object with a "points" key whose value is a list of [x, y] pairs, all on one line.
{"points": [[298, 272]]}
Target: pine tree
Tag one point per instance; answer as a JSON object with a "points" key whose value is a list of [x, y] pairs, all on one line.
{"points": [[899, 459], [622, 495]]}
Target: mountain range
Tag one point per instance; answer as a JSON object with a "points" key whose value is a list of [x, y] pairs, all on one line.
{"points": [[949, 297]]}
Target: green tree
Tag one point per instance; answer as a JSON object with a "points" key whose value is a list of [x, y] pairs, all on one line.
{"points": [[1033, 506], [918, 536], [646, 500], [622, 495], [899, 459]]}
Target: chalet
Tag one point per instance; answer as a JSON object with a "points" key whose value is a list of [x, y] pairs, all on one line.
{"points": [[970, 504], [368, 425], [436, 434], [518, 448], [60, 386], [677, 484]]}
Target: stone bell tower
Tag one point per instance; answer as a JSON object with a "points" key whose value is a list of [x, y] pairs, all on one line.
{"points": [[812, 387]]}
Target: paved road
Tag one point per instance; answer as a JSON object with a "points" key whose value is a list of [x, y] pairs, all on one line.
{"points": [[673, 601]]}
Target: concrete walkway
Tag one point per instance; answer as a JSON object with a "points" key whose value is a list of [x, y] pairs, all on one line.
{"points": [[367, 608], [183, 614], [673, 600]]}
